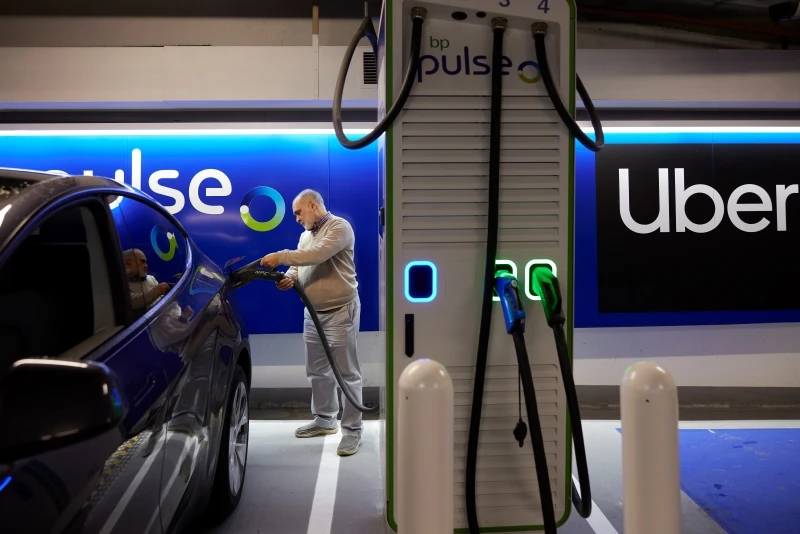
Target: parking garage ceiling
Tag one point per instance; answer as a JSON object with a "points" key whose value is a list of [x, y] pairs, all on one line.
{"points": [[336, 8], [748, 19]]}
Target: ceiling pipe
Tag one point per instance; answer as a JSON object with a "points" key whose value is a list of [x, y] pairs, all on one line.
{"points": [[315, 37], [315, 18], [703, 23]]}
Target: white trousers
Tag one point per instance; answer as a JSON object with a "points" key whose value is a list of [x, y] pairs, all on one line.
{"points": [[341, 328]]}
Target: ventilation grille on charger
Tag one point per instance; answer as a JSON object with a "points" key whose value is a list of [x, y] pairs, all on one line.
{"points": [[445, 171], [370, 68], [501, 459]]}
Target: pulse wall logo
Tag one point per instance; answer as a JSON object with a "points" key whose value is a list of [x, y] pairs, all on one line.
{"points": [[158, 179], [256, 173], [528, 71], [697, 227], [280, 209]]}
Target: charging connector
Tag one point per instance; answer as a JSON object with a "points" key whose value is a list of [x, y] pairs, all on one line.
{"points": [[254, 271]]}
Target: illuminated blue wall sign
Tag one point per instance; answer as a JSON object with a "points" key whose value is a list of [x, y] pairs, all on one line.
{"points": [[688, 226], [731, 197], [230, 190], [421, 281]]}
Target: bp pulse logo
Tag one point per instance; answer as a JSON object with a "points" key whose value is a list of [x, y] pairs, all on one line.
{"points": [[172, 242], [250, 221], [470, 65]]}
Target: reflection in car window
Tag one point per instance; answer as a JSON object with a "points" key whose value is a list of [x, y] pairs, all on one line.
{"points": [[153, 252], [55, 291]]}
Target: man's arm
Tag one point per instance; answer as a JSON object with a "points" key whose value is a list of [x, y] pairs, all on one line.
{"points": [[335, 240], [292, 273], [145, 297]]}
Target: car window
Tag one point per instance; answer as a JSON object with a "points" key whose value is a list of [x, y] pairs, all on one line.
{"points": [[55, 289], [154, 252]]}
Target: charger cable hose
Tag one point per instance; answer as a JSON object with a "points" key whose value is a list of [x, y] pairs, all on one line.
{"points": [[486, 314], [547, 77], [582, 503], [546, 284], [537, 440], [329, 353], [488, 277], [368, 30]]}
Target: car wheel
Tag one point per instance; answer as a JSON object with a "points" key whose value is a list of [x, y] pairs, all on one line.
{"points": [[232, 461]]}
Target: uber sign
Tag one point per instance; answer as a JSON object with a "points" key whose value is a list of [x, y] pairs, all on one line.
{"points": [[697, 227], [682, 194]]}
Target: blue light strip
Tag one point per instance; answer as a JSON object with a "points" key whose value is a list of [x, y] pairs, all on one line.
{"points": [[167, 131], [5, 483], [699, 135]]}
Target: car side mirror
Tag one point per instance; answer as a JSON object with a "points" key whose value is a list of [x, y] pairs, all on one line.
{"points": [[48, 404]]}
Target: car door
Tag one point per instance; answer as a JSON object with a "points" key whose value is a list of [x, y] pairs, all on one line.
{"points": [[184, 328], [67, 267]]}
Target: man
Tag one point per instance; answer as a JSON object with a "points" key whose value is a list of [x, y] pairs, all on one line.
{"points": [[324, 266], [145, 289]]}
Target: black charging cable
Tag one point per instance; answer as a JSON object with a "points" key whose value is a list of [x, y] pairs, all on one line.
{"points": [[367, 29], [546, 285], [254, 271], [499, 26], [539, 30]]}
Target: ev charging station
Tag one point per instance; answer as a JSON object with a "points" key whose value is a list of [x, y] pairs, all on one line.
{"points": [[476, 100], [435, 162]]}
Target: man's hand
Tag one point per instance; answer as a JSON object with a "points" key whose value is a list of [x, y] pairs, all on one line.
{"points": [[270, 260], [285, 283], [163, 288]]}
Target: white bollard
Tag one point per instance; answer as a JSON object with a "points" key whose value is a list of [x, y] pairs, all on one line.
{"points": [[425, 449], [650, 458]]}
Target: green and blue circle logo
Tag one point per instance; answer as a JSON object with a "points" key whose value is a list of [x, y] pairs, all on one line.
{"points": [[173, 243], [521, 73], [280, 209]]}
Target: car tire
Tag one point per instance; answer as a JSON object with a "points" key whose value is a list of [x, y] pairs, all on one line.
{"points": [[234, 443]]}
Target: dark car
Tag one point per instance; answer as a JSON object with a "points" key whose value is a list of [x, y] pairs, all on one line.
{"points": [[124, 366]]}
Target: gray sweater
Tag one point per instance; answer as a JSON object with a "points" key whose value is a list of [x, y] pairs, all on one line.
{"points": [[324, 265]]}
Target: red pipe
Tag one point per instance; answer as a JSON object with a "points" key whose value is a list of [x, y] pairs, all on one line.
{"points": [[690, 21]]}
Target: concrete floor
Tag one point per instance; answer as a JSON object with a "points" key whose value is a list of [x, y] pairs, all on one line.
{"points": [[298, 486]]}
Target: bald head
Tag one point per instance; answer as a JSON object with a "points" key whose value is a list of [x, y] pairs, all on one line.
{"points": [[308, 207], [135, 262]]}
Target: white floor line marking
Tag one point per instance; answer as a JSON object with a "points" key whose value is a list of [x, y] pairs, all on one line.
{"points": [[597, 520], [325, 492], [711, 431]]}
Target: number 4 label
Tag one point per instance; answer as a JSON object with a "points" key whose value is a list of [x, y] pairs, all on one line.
{"points": [[542, 5]]}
